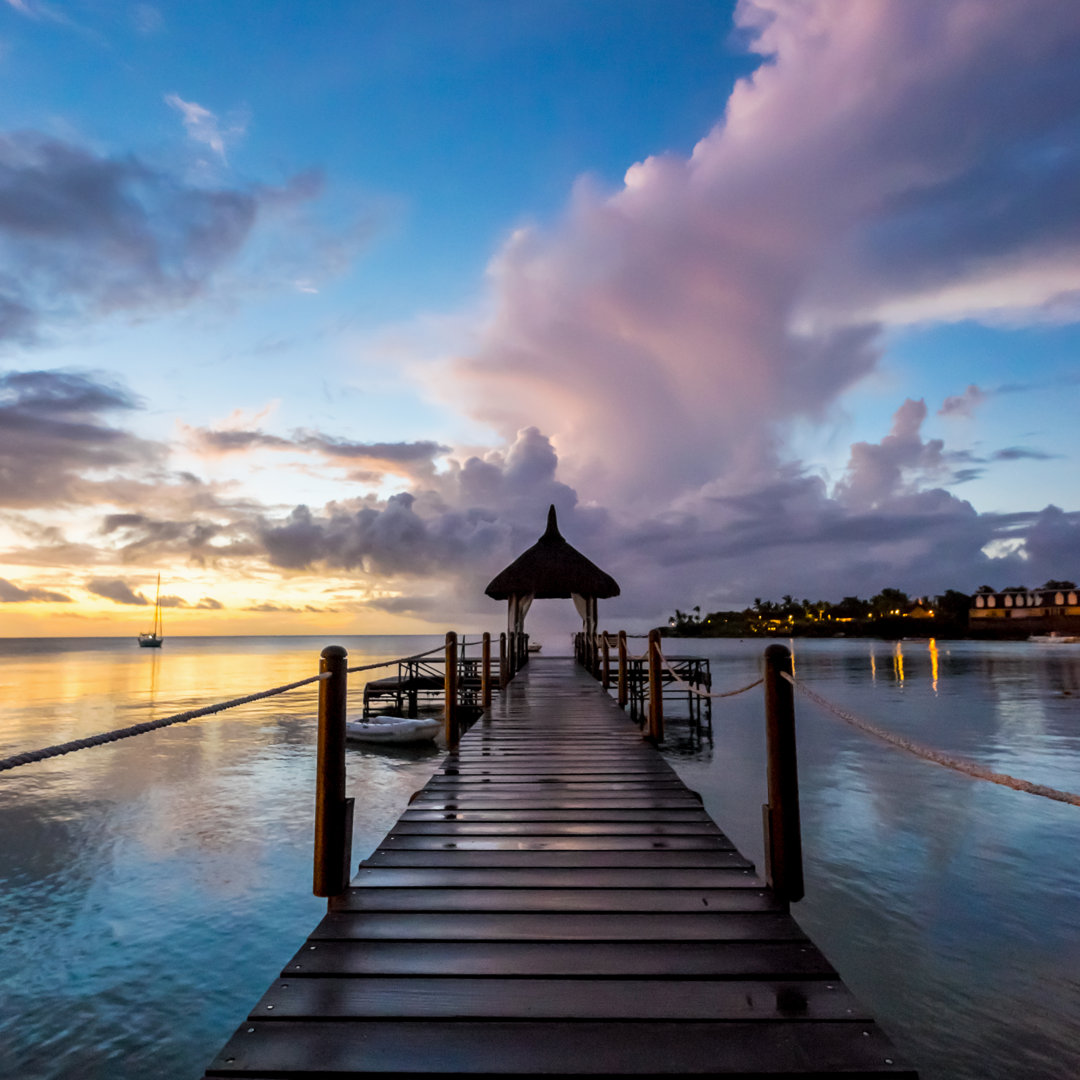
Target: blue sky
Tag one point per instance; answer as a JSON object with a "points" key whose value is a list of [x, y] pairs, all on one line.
{"points": [[315, 307]]}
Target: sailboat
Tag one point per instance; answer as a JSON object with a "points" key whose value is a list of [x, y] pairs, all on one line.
{"points": [[153, 638]]}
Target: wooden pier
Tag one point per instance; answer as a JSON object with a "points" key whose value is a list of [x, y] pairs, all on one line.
{"points": [[556, 901]]}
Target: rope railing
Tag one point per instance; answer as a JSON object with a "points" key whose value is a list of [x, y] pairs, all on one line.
{"points": [[935, 757], [691, 688], [398, 660], [47, 752], [31, 756]]}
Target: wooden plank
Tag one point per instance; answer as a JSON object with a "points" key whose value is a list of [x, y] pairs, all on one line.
{"points": [[461, 842], [411, 827], [615, 999], [533, 959], [450, 858], [534, 877], [431, 801], [692, 813], [559, 926], [575, 1048], [747, 898]]}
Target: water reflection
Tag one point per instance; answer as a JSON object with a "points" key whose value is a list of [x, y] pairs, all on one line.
{"points": [[129, 871], [951, 906]]}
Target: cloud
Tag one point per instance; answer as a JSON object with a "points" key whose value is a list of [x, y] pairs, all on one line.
{"points": [[879, 471], [10, 593], [889, 162], [1020, 453], [364, 461], [454, 519], [203, 126], [116, 590], [963, 404], [208, 603], [53, 430], [84, 235]]}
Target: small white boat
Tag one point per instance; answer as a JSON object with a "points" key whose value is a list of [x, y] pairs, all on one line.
{"points": [[535, 646], [1054, 638], [393, 729]]}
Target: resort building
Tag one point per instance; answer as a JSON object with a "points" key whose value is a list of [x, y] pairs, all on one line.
{"points": [[1037, 610]]}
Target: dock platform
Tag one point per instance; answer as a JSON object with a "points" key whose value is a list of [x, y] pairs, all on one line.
{"points": [[556, 901]]}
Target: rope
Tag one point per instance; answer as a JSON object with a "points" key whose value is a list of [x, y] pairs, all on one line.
{"points": [[936, 757], [399, 660], [706, 693], [150, 725], [47, 752]]}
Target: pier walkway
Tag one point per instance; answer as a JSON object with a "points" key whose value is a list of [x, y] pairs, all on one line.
{"points": [[556, 901]]}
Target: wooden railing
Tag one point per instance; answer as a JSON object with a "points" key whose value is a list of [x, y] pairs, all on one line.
{"points": [[780, 815], [333, 810]]}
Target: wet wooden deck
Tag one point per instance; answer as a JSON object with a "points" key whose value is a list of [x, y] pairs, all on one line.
{"points": [[556, 901]]}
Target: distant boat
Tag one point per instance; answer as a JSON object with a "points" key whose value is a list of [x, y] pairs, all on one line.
{"points": [[1054, 638], [535, 646], [392, 729], [153, 638]]}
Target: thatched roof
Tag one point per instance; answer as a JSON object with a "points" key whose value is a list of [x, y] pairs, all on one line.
{"points": [[552, 569]]}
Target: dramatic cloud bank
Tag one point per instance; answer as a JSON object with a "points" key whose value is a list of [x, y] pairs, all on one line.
{"points": [[891, 161]]}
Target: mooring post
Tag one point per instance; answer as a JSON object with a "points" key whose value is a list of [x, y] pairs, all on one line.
{"points": [[503, 679], [450, 684], [622, 669], [780, 816], [524, 649], [333, 812], [485, 671], [656, 689], [605, 676]]}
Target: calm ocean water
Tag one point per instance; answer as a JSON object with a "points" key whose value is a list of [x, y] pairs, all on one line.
{"points": [[150, 890]]}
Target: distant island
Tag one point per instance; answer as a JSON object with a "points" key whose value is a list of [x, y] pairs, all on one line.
{"points": [[1013, 612]]}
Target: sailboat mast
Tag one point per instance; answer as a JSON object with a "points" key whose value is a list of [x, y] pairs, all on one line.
{"points": [[157, 608]]}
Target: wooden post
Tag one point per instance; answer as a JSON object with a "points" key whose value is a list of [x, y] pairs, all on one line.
{"points": [[622, 669], [605, 675], [504, 678], [485, 671], [783, 834], [656, 690], [450, 687], [333, 812]]}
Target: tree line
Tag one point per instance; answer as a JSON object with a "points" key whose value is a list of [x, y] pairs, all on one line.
{"points": [[884, 614]]}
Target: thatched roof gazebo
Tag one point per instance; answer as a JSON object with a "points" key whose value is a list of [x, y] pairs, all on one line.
{"points": [[552, 569]]}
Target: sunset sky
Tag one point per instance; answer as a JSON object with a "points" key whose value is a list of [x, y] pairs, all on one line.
{"points": [[314, 308]]}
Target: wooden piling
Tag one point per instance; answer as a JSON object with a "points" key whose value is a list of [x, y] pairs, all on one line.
{"points": [[783, 833], [485, 671], [452, 728], [622, 670], [504, 677], [605, 675], [656, 690], [333, 811]]}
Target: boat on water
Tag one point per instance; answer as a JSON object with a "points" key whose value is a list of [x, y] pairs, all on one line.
{"points": [[1054, 638], [535, 646], [153, 638], [393, 729]]}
